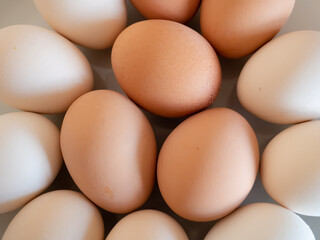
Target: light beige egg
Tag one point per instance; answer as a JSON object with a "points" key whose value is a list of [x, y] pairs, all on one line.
{"points": [[145, 225], [93, 24], [178, 10], [208, 164], [41, 71], [110, 151], [280, 82], [261, 221], [61, 214], [166, 67], [237, 28], [290, 168]]}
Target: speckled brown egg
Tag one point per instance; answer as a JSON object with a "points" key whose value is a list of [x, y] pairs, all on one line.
{"points": [[110, 151], [237, 28], [166, 67], [177, 10]]}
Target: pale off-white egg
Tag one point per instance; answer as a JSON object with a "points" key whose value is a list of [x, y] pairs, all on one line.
{"points": [[41, 71], [280, 82], [62, 214], [261, 221], [145, 225], [30, 157], [90, 23]]}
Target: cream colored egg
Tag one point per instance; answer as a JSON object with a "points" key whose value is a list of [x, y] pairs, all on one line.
{"points": [[90, 23], [61, 214], [280, 82], [110, 150], [30, 157], [290, 168], [146, 225], [208, 164], [41, 71], [261, 221]]}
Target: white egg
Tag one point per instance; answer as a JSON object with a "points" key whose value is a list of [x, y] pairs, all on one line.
{"points": [[30, 157], [146, 225], [90, 23], [290, 168], [41, 71], [62, 214], [280, 82], [261, 221]]}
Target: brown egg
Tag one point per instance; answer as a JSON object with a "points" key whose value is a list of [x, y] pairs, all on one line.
{"points": [[166, 67], [177, 10], [208, 164], [110, 151], [237, 28]]}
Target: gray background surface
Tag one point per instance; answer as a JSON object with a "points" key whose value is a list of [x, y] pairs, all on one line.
{"points": [[305, 16]]}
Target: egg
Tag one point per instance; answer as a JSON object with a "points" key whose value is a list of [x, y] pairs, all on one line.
{"points": [[40, 71], [261, 221], [280, 82], [61, 214], [166, 67], [30, 157], [290, 168], [178, 10], [208, 164], [145, 225], [93, 24], [110, 150], [237, 28]]}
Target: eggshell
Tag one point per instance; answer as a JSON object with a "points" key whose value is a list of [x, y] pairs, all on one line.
{"points": [[290, 168], [280, 82], [93, 24], [30, 157], [208, 164], [178, 10], [237, 28], [263, 221], [110, 151], [166, 67], [146, 225], [61, 214], [40, 71]]}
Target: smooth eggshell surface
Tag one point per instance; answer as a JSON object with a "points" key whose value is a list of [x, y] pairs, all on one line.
{"points": [[110, 151], [40, 71], [94, 24], [263, 221], [290, 168], [280, 82], [178, 10], [146, 225], [30, 157], [208, 164], [166, 67], [61, 214], [237, 28]]}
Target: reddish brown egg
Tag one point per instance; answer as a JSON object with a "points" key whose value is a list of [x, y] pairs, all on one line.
{"points": [[237, 28], [177, 10], [166, 67]]}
